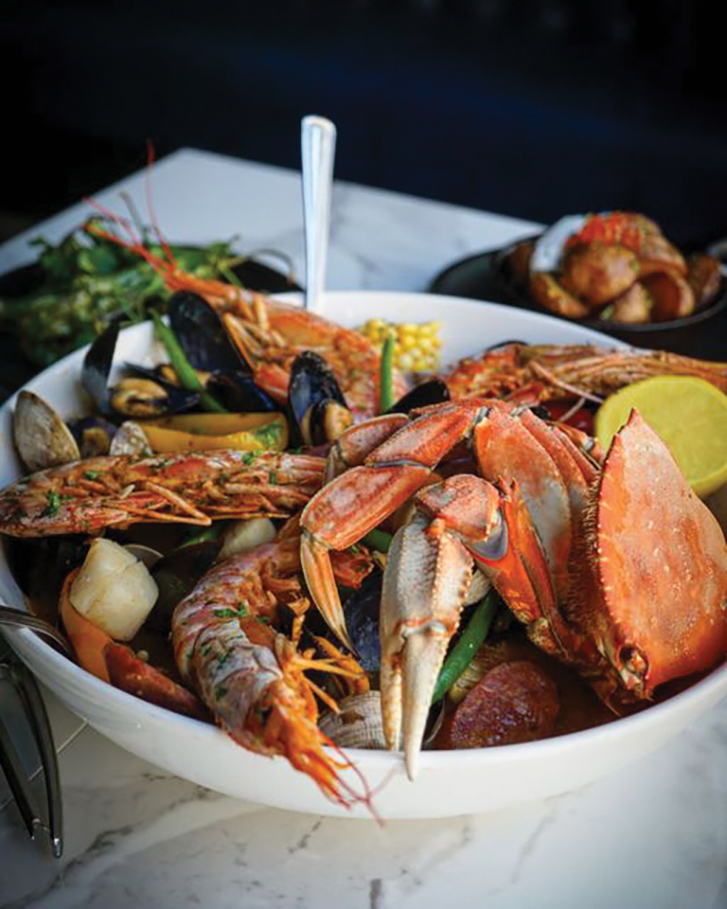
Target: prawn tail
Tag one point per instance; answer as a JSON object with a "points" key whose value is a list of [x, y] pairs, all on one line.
{"points": [[297, 737]]}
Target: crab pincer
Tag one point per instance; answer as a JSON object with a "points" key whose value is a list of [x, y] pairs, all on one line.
{"points": [[428, 574]]}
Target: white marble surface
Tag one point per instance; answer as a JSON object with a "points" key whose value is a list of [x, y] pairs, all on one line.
{"points": [[651, 835]]}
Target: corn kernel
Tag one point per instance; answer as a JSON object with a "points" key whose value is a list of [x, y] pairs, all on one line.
{"points": [[416, 346]]}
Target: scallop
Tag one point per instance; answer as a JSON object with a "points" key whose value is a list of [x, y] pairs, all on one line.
{"points": [[42, 438]]}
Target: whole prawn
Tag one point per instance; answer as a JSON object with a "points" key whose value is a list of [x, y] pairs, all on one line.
{"points": [[191, 488], [250, 676]]}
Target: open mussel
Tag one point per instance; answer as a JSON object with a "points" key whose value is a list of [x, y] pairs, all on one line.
{"points": [[202, 337], [141, 392], [434, 391], [317, 407]]}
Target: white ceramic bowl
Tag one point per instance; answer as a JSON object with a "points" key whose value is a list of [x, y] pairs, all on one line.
{"points": [[449, 783]]}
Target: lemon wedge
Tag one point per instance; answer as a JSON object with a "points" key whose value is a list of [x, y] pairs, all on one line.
{"points": [[688, 413]]}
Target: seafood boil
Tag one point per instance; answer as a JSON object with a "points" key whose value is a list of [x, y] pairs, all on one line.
{"points": [[312, 581]]}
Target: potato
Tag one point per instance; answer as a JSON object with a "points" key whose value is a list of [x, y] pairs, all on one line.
{"points": [[551, 295], [633, 306], [596, 272], [672, 297], [704, 277], [114, 590], [243, 535]]}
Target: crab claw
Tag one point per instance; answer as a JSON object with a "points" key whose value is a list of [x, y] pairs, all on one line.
{"points": [[428, 572]]}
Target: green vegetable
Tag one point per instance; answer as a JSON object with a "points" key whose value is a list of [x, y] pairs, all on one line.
{"points": [[88, 281], [386, 384], [378, 540], [467, 646], [205, 535], [183, 368]]}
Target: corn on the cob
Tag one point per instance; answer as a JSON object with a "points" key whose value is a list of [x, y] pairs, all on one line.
{"points": [[416, 345]]}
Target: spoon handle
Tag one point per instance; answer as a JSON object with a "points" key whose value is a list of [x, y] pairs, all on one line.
{"points": [[318, 146], [19, 619]]}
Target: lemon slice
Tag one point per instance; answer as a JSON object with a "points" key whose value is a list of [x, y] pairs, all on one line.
{"points": [[689, 414]]}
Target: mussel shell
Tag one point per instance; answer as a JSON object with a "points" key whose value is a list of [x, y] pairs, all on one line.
{"points": [[97, 367], [361, 611], [40, 565], [238, 392], [313, 393], [176, 575], [95, 378], [202, 335], [93, 434], [170, 398], [434, 391]]}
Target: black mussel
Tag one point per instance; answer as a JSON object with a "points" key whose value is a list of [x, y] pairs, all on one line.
{"points": [[176, 575], [201, 334], [208, 348], [256, 275], [237, 392], [501, 344], [434, 391], [317, 408], [97, 367], [361, 610], [142, 392], [93, 435]]}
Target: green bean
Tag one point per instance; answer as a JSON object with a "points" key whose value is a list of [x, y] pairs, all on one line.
{"points": [[386, 384], [467, 646], [205, 534], [183, 368], [378, 540]]}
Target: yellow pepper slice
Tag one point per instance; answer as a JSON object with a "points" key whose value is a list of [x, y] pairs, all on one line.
{"points": [[254, 432]]}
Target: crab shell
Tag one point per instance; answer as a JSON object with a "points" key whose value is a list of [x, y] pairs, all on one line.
{"points": [[649, 571]]}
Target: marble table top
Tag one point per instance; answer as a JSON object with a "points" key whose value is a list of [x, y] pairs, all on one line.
{"points": [[651, 835]]}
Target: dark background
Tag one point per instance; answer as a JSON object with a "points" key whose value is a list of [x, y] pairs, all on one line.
{"points": [[533, 108]]}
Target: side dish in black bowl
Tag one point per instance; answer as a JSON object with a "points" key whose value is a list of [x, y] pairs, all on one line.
{"points": [[677, 303]]}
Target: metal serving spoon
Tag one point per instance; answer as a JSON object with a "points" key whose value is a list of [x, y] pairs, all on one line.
{"points": [[18, 619], [318, 146]]}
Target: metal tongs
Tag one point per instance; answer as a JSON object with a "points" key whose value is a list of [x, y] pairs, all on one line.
{"points": [[21, 679]]}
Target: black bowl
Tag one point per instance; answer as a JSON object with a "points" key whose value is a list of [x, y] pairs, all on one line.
{"points": [[484, 276]]}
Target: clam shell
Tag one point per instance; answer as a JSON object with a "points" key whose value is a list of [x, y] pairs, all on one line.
{"points": [[130, 439], [41, 436], [358, 725]]}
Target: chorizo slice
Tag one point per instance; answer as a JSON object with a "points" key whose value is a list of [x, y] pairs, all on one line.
{"points": [[514, 702]]}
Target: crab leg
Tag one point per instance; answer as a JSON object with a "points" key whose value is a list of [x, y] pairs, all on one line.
{"points": [[361, 498]]}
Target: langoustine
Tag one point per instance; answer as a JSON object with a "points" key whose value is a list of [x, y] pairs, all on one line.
{"points": [[90, 495], [543, 372], [250, 676]]}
